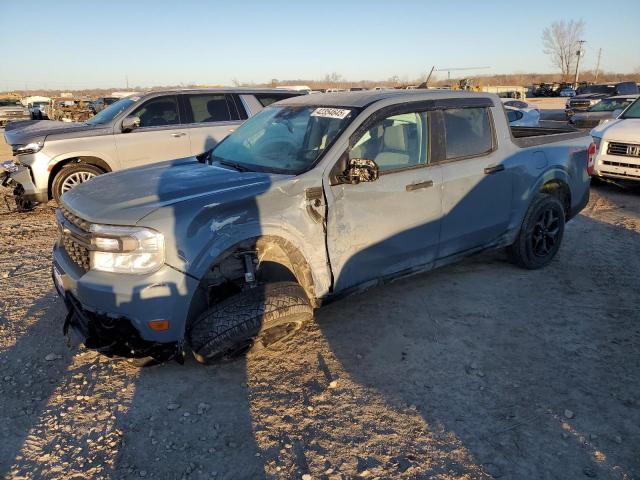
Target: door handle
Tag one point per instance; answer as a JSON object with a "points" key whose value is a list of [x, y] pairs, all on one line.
{"points": [[179, 134], [415, 186], [493, 169]]}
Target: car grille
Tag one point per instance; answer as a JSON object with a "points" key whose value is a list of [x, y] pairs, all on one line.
{"points": [[580, 104], [623, 149], [75, 237]]}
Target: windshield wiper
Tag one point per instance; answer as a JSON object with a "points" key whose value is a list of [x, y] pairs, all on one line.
{"points": [[234, 165]]}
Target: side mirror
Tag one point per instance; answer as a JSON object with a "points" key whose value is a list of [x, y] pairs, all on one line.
{"points": [[360, 170], [130, 123]]}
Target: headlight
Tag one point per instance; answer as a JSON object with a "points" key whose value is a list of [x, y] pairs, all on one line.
{"points": [[593, 102], [126, 249], [28, 148]]}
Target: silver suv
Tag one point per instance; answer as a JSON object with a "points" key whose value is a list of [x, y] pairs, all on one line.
{"points": [[54, 157]]}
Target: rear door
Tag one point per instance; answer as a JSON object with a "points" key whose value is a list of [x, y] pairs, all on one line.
{"points": [[159, 137], [376, 229], [211, 116], [476, 195]]}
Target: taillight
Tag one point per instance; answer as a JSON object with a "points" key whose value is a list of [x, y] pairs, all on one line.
{"points": [[591, 158]]}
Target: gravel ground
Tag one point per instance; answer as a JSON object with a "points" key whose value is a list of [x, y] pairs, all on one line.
{"points": [[476, 370]]}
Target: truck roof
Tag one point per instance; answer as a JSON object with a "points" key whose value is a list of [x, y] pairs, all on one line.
{"points": [[361, 99], [238, 90]]}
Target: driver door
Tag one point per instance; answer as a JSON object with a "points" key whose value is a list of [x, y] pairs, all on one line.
{"points": [[392, 224]]}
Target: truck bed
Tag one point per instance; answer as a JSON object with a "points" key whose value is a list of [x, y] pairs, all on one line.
{"points": [[533, 136]]}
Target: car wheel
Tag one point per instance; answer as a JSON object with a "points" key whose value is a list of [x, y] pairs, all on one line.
{"points": [[71, 176], [541, 233], [254, 319]]}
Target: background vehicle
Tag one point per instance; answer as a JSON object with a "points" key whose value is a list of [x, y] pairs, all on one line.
{"points": [[588, 96], [605, 109], [103, 102], [38, 110], [523, 117], [134, 131], [567, 92], [12, 110], [618, 146], [313, 198]]}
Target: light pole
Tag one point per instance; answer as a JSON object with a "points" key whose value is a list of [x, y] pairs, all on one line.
{"points": [[579, 54]]}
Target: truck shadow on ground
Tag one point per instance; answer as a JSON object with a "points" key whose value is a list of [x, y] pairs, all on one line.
{"points": [[533, 372]]}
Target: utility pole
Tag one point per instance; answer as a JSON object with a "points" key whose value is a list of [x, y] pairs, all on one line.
{"points": [[126, 77], [598, 65], [579, 53]]}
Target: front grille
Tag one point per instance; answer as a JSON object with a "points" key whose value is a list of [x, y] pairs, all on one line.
{"points": [[623, 149], [621, 165], [75, 238], [579, 104]]}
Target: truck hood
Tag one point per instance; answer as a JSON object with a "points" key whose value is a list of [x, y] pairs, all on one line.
{"points": [[125, 197], [21, 133], [619, 130]]}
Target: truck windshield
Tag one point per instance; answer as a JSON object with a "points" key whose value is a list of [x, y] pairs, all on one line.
{"points": [[9, 103], [633, 111], [609, 105], [285, 139], [109, 113]]}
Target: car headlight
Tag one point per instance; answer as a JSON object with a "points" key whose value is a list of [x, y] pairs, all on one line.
{"points": [[126, 249], [593, 102], [28, 148]]}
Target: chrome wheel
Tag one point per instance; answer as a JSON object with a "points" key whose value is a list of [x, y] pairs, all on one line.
{"points": [[75, 179]]}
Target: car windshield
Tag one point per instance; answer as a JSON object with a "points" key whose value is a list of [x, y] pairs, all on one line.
{"points": [[9, 103], [610, 104], [109, 113], [633, 111], [284, 139]]}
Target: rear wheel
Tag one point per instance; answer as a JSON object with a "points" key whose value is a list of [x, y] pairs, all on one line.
{"points": [[254, 319], [71, 176], [541, 233]]}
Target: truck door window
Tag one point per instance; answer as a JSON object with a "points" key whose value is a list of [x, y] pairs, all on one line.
{"points": [[468, 132], [210, 108], [158, 112], [395, 143]]}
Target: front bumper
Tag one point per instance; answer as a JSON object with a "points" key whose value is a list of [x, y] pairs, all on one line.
{"points": [[30, 192], [110, 312]]}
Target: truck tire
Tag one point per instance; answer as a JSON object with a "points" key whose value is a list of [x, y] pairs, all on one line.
{"points": [[251, 320], [541, 233], [72, 175]]}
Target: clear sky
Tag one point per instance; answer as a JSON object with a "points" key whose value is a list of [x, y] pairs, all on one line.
{"points": [[83, 44]]}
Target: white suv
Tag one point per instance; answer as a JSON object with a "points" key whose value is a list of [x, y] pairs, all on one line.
{"points": [[54, 157], [618, 145]]}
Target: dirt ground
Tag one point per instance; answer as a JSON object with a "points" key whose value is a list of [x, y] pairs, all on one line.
{"points": [[476, 370]]}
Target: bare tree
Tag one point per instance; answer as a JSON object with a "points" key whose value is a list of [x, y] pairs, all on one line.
{"points": [[560, 41]]}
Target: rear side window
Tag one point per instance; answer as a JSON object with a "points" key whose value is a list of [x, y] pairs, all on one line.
{"points": [[158, 112], [211, 108], [468, 132], [267, 99]]}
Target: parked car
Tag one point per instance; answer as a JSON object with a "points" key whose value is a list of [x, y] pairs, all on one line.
{"points": [[602, 111], [567, 92], [588, 96], [103, 102], [11, 110], [522, 117], [313, 198], [55, 157], [38, 110], [618, 146]]}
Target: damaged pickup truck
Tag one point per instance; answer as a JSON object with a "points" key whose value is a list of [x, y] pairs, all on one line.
{"points": [[313, 198]]}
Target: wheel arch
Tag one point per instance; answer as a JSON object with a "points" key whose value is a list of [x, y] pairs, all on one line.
{"points": [[60, 164], [274, 259]]}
